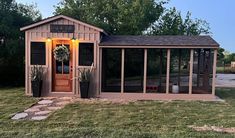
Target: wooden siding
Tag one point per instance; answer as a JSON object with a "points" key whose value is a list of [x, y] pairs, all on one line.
{"points": [[82, 33]]}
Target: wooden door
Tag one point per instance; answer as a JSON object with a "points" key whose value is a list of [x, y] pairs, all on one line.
{"points": [[62, 72]]}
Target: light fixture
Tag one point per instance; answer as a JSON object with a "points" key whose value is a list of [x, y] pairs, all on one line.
{"points": [[48, 39], [73, 39]]}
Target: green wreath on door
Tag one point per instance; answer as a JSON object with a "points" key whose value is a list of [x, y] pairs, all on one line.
{"points": [[61, 53]]}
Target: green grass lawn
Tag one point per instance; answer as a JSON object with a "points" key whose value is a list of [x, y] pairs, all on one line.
{"points": [[102, 119]]}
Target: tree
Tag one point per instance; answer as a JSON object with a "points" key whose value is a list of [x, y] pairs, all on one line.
{"points": [[115, 16], [220, 55], [171, 22], [229, 58], [13, 16]]}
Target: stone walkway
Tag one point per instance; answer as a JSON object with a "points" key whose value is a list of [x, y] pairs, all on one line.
{"points": [[42, 109]]}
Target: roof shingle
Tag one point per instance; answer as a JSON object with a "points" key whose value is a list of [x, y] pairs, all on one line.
{"points": [[122, 40]]}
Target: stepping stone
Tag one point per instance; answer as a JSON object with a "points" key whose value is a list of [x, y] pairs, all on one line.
{"points": [[63, 103], [32, 109], [50, 98], [54, 108], [19, 116], [39, 106], [42, 112], [39, 117], [45, 102], [65, 98]]}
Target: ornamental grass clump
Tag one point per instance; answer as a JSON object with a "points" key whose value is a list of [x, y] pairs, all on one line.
{"points": [[36, 73], [36, 80], [85, 74]]}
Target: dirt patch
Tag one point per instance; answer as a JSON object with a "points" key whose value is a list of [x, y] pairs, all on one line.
{"points": [[213, 128]]}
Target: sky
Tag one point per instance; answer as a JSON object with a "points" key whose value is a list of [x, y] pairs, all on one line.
{"points": [[219, 14]]}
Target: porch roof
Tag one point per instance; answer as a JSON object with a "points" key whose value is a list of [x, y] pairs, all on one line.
{"points": [[174, 41]]}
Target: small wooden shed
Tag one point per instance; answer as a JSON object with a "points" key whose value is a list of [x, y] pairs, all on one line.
{"points": [[136, 67]]}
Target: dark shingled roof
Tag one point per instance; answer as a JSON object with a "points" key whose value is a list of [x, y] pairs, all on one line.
{"points": [[158, 41]]}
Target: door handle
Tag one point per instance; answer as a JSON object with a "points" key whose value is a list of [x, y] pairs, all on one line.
{"points": [[71, 68]]}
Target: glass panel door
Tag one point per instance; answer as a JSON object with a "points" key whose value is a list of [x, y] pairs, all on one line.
{"points": [[62, 68]]}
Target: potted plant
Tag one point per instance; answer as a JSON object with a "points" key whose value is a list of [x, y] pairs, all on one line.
{"points": [[36, 80], [84, 79]]}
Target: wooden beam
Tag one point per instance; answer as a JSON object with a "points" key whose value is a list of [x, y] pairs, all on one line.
{"points": [[168, 70], [97, 83], [214, 72], [49, 46], [191, 71], [102, 68], [145, 69], [74, 67], [26, 63], [122, 71]]}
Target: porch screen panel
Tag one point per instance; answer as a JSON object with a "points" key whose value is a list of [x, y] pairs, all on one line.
{"points": [[38, 53], [179, 71], [133, 70], [86, 54], [156, 71], [202, 71], [111, 70]]}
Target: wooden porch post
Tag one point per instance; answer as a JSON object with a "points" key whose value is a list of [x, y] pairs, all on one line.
{"points": [[74, 67], [168, 70], [100, 62], [214, 71], [122, 71], [145, 70], [191, 71], [26, 63], [49, 46]]}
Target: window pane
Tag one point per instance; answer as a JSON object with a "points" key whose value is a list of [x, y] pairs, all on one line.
{"points": [[86, 54], [133, 70], [63, 68], [58, 67], [66, 67], [111, 70], [66, 63], [156, 71], [38, 56]]}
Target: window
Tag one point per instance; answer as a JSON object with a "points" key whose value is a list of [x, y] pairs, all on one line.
{"points": [[38, 53], [86, 54]]}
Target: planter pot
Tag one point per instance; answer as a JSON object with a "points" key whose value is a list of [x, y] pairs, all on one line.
{"points": [[84, 88], [175, 88], [36, 88]]}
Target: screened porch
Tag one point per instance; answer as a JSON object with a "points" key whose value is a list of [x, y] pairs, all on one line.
{"points": [[157, 70]]}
